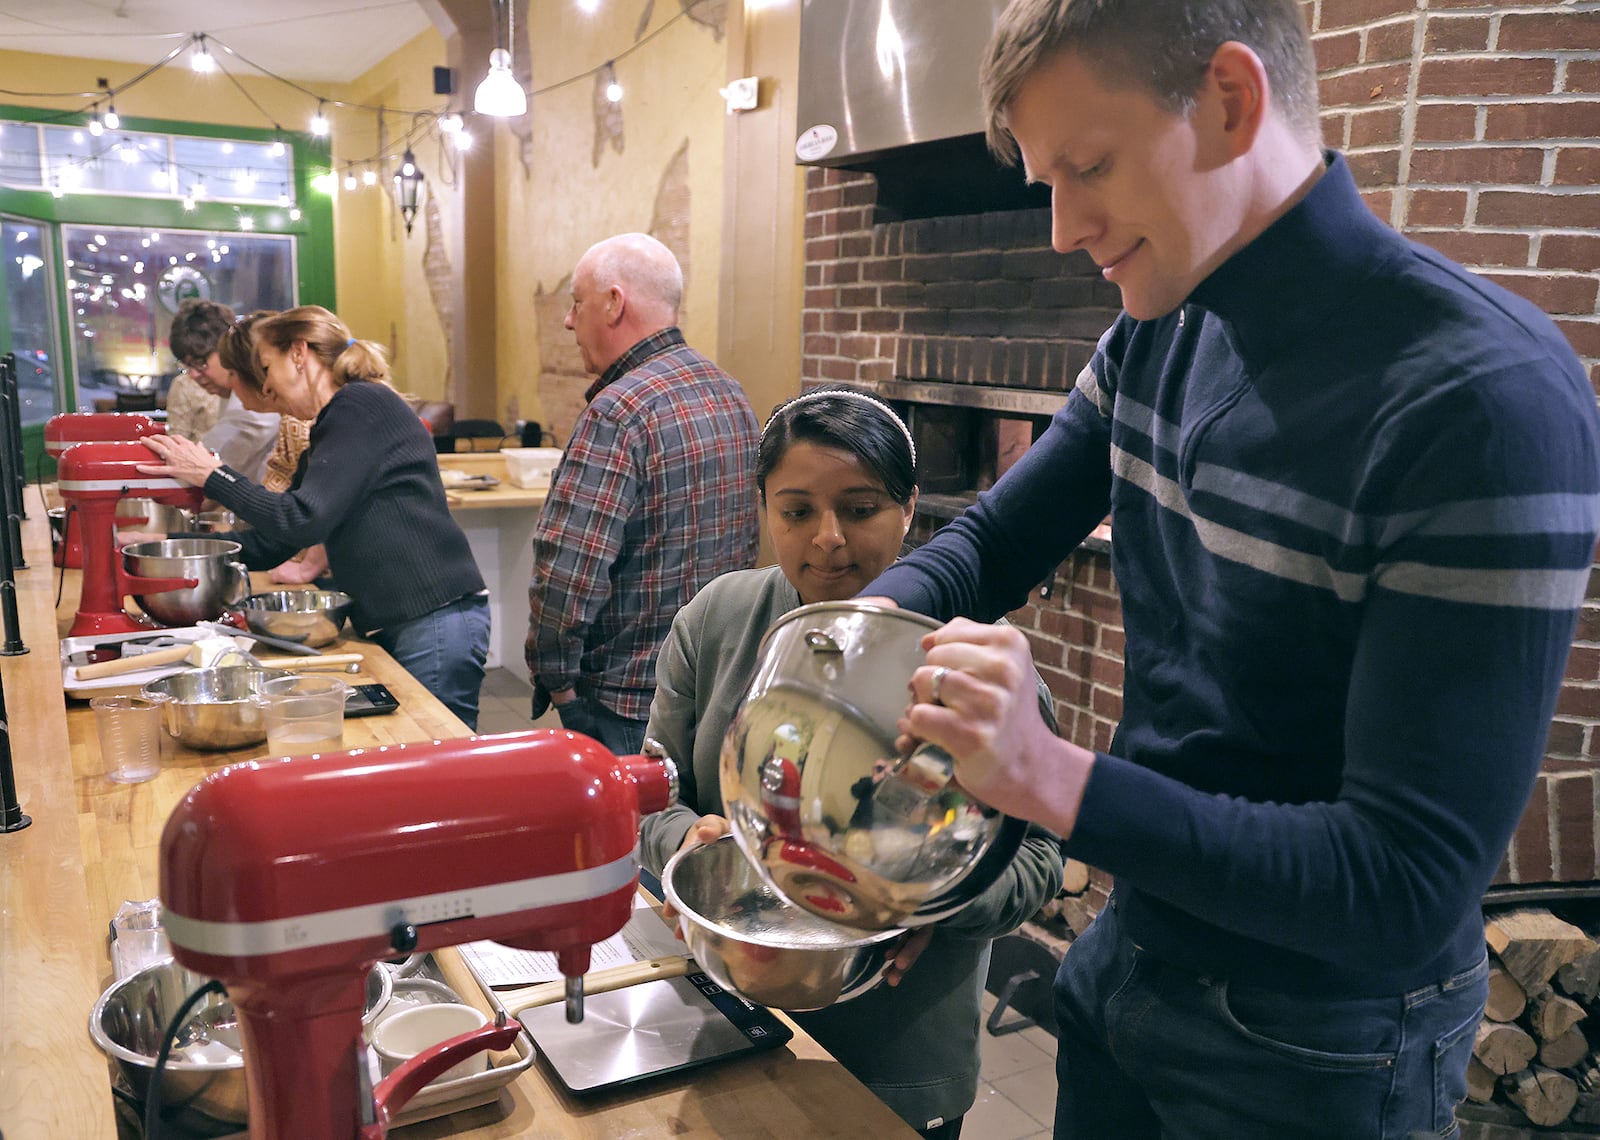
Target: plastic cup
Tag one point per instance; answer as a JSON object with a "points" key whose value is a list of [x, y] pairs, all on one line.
{"points": [[411, 1031], [132, 738], [304, 714]]}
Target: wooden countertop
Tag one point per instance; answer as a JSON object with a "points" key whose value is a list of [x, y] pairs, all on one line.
{"points": [[492, 463], [93, 844]]}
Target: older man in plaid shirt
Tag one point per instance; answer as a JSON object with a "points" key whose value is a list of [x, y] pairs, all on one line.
{"points": [[654, 497]]}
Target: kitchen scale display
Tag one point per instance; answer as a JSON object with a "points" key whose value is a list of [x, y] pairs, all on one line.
{"points": [[647, 1030]]}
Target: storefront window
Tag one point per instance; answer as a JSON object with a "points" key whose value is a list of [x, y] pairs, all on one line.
{"points": [[125, 285], [28, 299]]}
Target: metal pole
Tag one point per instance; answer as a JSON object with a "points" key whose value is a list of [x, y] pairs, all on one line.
{"points": [[13, 387], [8, 569], [10, 463], [11, 814]]}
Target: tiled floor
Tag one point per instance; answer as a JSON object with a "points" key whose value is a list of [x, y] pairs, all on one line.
{"points": [[1017, 1088]]}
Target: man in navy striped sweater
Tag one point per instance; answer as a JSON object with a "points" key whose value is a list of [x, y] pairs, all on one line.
{"points": [[1353, 492]]}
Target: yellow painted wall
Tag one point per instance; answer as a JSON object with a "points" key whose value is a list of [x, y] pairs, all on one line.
{"points": [[175, 92], [565, 202], [383, 293]]}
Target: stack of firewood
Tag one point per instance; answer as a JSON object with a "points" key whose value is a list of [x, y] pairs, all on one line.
{"points": [[1536, 1047]]}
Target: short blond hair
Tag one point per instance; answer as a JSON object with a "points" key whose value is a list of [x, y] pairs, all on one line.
{"points": [[1160, 46]]}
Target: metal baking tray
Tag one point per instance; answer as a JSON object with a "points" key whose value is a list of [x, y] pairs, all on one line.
{"points": [[125, 682]]}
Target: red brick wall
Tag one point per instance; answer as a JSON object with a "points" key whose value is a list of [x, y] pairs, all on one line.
{"points": [[1473, 129]]}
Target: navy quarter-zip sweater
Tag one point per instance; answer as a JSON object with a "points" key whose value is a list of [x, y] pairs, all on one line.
{"points": [[1354, 494]]}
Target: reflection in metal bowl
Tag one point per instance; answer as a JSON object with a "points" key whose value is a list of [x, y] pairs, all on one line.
{"points": [[755, 944], [817, 795]]}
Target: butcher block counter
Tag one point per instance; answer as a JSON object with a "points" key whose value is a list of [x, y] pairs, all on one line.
{"points": [[93, 844]]}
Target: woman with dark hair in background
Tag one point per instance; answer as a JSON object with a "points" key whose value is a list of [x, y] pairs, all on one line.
{"points": [[836, 471], [367, 489]]}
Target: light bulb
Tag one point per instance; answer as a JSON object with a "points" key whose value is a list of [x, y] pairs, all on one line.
{"points": [[276, 149], [369, 177], [350, 182], [614, 92], [201, 59], [500, 96], [96, 126], [408, 167], [451, 123], [112, 120], [294, 213], [463, 140], [188, 202], [319, 123]]}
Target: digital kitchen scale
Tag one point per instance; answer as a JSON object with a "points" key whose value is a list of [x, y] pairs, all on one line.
{"points": [[648, 1030]]}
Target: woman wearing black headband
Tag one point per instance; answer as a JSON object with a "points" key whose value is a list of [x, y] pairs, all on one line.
{"points": [[837, 475]]}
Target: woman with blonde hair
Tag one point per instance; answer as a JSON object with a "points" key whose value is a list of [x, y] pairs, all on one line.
{"points": [[368, 489]]}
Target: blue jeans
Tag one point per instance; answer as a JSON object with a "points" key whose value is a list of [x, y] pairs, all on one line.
{"points": [[445, 651], [623, 736], [1151, 1050]]}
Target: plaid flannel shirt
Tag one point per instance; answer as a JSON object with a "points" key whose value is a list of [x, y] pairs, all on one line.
{"points": [[654, 497]]}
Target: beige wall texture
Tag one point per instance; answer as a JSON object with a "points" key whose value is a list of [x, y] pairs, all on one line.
{"points": [[653, 163], [386, 292]]}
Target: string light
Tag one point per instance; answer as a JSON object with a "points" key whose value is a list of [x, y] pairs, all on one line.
{"points": [[499, 95]]}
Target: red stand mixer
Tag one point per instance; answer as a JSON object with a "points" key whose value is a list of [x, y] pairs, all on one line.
{"points": [[92, 478], [71, 428], [288, 879]]}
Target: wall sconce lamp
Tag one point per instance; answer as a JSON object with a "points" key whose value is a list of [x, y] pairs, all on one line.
{"points": [[500, 95], [408, 188]]}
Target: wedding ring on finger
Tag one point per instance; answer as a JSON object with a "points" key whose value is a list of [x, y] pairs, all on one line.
{"points": [[936, 688]]}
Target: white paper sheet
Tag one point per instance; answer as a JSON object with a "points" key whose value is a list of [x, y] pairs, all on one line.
{"points": [[644, 937]]}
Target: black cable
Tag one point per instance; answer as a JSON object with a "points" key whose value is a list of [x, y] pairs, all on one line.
{"points": [[152, 1098], [66, 529]]}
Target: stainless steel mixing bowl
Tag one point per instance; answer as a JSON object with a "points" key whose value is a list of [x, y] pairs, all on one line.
{"points": [[221, 581], [311, 617], [755, 944], [205, 1066], [214, 708], [149, 515], [817, 796]]}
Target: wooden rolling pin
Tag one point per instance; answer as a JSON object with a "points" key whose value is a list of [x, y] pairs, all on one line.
{"points": [[201, 653], [599, 982], [301, 664]]}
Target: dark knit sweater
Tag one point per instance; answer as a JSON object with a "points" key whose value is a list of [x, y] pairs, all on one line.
{"points": [[1354, 506], [368, 489]]}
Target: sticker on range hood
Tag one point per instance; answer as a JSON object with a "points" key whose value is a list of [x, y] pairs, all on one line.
{"points": [[816, 142]]}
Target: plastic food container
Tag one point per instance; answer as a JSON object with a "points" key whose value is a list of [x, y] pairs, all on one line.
{"points": [[531, 466]]}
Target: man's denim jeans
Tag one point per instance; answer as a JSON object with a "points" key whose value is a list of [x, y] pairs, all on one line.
{"points": [[1150, 1050], [586, 715]]}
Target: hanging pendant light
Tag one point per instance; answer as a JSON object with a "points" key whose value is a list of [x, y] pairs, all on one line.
{"points": [[500, 95], [408, 188]]}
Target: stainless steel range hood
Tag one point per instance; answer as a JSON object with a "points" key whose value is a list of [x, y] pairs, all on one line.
{"points": [[880, 74]]}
